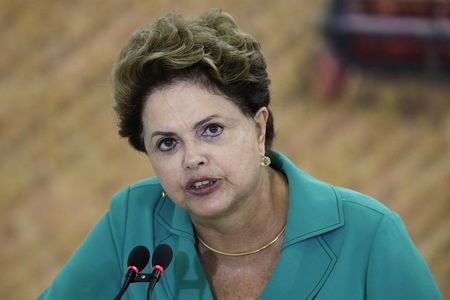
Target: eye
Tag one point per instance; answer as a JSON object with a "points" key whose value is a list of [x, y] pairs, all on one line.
{"points": [[212, 130], [166, 144]]}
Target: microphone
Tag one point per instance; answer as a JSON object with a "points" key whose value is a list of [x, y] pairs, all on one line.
{"points": [[137, 260], [160, 260]]}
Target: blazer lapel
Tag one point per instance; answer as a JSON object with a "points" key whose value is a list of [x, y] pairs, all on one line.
{"points": [[306, 260], [301, 271], [185, 278]]}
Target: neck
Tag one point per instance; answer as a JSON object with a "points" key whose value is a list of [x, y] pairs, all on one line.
{"points": [[257, 221]]}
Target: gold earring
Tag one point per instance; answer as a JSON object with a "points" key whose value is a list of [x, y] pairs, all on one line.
{"points": [[265, 161], [164, 194]]}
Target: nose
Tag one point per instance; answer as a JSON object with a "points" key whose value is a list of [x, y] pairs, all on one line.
{"points": [[193, 157]]}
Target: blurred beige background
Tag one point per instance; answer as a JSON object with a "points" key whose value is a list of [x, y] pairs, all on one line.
{"points": [[61, 158]]}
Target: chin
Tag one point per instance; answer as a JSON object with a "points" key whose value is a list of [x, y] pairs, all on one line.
{"points": [[209, 210]]}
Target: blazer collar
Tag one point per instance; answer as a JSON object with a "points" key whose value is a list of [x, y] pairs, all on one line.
{"points": [[314, 208]]}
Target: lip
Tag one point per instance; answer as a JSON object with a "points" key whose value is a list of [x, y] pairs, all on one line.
{"points": [[217, 182]]}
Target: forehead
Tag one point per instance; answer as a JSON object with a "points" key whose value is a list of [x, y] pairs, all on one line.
{"points": [[183, 104]]}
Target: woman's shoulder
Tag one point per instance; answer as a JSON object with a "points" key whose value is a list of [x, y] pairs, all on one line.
{"points": [[320, 198], [366, 216], [358, 200], [145, 192], [364, 211]]}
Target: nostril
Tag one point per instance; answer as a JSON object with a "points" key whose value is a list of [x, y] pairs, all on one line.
{"points": [[194, 161], [195, 164]]}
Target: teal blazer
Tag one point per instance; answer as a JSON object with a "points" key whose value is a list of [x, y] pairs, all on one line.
{"points": [[338, 244]]}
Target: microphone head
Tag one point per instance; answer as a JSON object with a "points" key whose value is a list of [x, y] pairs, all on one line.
{"points": [[162, 256], [139, 257]]}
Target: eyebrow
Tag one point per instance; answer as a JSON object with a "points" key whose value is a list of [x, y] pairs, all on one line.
{"points": [[196, 126], [205, 120]]}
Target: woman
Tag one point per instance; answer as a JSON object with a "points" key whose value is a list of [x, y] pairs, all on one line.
{"points": [[243, 221]]}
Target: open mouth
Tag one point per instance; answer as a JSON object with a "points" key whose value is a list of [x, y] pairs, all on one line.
{"points": [[203, 186]]}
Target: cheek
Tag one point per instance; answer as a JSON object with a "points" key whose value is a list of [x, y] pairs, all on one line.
{"points": [[166, 171], [240, 157], [245, 145]]}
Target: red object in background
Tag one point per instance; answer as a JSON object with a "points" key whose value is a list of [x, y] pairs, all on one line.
{"points": [[378, 48], [332, 75], [389, 35], [397, 8]]}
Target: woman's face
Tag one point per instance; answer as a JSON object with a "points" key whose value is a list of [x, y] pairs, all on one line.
{"points": [[204, 150]]}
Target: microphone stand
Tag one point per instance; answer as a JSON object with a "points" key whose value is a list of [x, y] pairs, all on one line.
{"points": [[154, 278], [151, 278], [139, 277], [129, 278]]}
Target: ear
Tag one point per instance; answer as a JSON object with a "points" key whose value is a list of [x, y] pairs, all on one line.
{"points": [[261, 117]]}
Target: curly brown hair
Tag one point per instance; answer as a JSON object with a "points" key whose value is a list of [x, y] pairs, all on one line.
{"points": [[211, 51]]}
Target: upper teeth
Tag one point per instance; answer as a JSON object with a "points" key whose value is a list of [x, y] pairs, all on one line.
{"points": [[199, 184]]}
